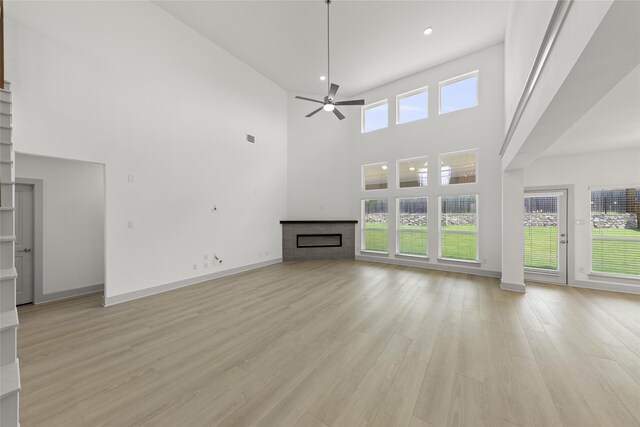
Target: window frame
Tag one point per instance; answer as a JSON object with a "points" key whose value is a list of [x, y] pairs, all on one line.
{"points": [[364, 227], [477, 232], [363, 182], [455, 80], [604, 274], [407, 94], [398, 173], [368, 107], [477, 164], [398, 238]]}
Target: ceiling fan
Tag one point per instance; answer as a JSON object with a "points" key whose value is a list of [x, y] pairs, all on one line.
{"points": [[329, 103]]}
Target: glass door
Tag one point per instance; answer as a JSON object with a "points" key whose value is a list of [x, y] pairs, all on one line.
{"points": [[545, 236]]}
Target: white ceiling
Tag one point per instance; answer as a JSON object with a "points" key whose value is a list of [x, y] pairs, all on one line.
{"points": [[611, 124], [372, 42]]}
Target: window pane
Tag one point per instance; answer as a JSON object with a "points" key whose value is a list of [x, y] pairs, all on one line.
{"points": [[458, 227], [459, 94], [413, 107], [374, 221], [375, 177], [615, 233], [458, 168], [541, 232], [412, 172], [412, 226], [375, 118]]}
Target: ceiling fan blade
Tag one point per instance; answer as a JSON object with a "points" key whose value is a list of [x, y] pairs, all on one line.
{"points": [[352, 102], [333, 90], [309, 99], [314, 111], [338, 114]]}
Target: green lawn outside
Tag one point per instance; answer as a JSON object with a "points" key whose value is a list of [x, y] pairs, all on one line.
{"points": [[540, 246]]}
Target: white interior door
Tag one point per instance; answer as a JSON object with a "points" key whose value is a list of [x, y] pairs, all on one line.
{"points": [[545, 236], [24, 243]]}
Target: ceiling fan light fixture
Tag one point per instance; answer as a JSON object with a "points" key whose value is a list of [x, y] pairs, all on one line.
{"points": [[328, 107]]}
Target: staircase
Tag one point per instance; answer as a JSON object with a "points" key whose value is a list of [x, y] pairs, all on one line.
{"points": [[9, 370]]}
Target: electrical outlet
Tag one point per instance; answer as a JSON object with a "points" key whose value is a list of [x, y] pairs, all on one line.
{"points": [[266, 253], [259, 254], [484, 260], [130, 224], [206, 265], [131, 179], [206, 257], [195, 267], [581, 269]]}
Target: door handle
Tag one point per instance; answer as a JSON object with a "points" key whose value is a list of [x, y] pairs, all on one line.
{"points": [[26, 250]]}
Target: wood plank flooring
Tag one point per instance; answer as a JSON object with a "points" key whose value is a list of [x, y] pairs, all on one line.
{"points": [[335, 343]]}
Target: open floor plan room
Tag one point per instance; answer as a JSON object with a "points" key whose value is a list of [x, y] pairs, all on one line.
{"points": [[347, 343]]}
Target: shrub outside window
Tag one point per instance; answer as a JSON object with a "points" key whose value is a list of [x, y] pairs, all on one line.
{"points": [[375, 116], [375, 176], [615, 232], [412, 172], [459, 167], [412, 106], [412, 226], [375, 213], [459, 93], [459, 227]]}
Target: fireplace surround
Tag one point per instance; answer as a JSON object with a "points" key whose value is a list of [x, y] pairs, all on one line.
{"points": [[318, 239]]}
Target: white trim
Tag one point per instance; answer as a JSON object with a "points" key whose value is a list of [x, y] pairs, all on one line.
{"points": [[604, 286], [424, 89], [129, 296], [69, 293], [38, 239], [373, 105], [429, 266], [514, 287], [455, 80]]}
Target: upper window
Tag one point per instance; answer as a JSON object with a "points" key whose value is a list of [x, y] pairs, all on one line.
{"points": [[412, 106], [412, 172], [459, 227], [615, 232], [375, 177], [459, 93], [375, 116], [459, 167]]}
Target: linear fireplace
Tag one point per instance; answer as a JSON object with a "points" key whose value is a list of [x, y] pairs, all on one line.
{"points": [[314, 239]]}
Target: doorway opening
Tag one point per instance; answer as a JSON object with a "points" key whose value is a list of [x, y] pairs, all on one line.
{"points": [[60, 228]]}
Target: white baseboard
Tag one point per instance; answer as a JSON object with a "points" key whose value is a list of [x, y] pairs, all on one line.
{"points": [[515, 287], [606, 286], [117, 299], [70, 293], [428, 265]]}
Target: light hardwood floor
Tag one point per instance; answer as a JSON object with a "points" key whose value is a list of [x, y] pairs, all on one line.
{"points": [[343, 343]]}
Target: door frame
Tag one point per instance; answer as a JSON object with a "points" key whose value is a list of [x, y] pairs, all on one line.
{"points": [[38, 246], [569, 188]]}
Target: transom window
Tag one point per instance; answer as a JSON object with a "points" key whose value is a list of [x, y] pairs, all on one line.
{"points": [[412, 106], [375, 116], [412, 226], [615, 232], [412, 172], [459, 227], [375, 176], [459, 93], [458, 168]]}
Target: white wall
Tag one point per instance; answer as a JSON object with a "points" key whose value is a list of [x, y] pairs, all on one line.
{"points": [[73, 220], [325, 155], [127, 85], [611, 168]]}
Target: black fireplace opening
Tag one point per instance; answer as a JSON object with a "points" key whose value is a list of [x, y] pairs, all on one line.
{"points": [[318, 240]]}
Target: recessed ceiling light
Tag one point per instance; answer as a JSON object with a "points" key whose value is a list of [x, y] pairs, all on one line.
{"points": [[384, 167], [428, 31], [323, 78]]}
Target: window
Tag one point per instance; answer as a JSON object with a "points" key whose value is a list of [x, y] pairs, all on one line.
{"points": [[615, 233], [412, 172], [459, 93], [412, 226], [412, 106], [375, 177], [375, 116], [374, 225], [458, 168], [459, 227]]}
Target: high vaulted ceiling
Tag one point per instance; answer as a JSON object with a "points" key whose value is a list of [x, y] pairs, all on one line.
{"points": [[372, 42]]}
